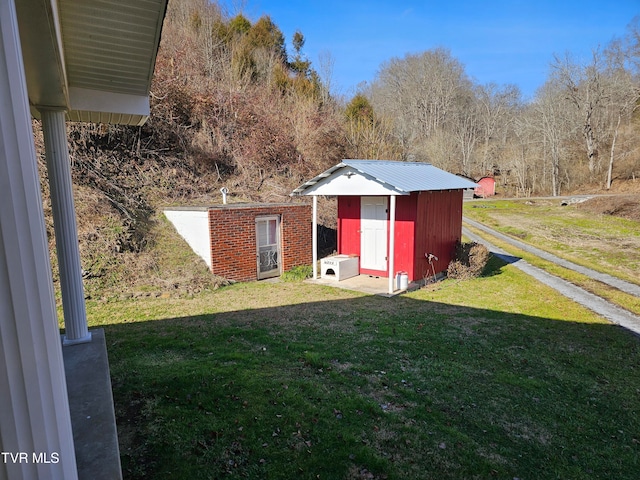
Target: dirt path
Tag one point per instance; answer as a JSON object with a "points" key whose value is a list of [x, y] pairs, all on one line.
{"points": [[593, 302]]}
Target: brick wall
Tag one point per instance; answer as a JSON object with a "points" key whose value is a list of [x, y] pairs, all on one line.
{"points": [[233, 237]]}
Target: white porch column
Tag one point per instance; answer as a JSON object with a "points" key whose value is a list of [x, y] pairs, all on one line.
{"points": [[314, 233], [392, 242], [64, 223], [34, 407]]}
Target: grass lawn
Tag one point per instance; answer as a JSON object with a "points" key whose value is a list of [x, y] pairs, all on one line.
{"points": [[611, 294], [497, 377], [603, 242]]}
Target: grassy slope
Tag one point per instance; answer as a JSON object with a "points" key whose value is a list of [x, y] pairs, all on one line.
{"points": [[495, 377]]}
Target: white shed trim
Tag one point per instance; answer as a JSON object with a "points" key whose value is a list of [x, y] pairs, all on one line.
{"points": [[351, 181], [392, 243]]}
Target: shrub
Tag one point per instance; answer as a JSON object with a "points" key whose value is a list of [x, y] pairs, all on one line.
{"points": [[469, 261], [297, 274]]}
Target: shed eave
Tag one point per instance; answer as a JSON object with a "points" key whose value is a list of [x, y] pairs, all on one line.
{"points": [[310, 183]]}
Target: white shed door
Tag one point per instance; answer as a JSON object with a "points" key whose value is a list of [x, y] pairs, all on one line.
{"points": [[373, 237]]}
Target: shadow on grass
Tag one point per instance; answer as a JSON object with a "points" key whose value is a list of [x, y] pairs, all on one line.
{"points": [[506, 259], [371, 387], [496, 263]]}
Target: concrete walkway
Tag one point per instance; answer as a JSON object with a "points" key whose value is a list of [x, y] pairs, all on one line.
{"points": [[611, 312], [93, 419], [364, 283]]}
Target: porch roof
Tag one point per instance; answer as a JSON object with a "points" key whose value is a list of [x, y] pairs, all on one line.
{"points": [[93, 59], [381, 177]]}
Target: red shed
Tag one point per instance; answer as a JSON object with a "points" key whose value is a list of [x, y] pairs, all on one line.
{"points": [[392, 215], [486, 187]]}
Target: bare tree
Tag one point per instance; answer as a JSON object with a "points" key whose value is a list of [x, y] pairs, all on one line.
{"points": [[585, 88], [464, 129], [497, 107], [553, 129], [528, 160], [421, 93], [326, 64], [624, 94], [632, 42]]}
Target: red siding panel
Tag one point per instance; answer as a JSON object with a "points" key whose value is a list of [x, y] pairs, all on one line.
{"points": [[406, 211], [426, 222], [349, 225], [438, 228], [486, 187]]}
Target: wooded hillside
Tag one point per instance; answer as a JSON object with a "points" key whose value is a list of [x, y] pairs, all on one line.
{"points": [[235, 104]]}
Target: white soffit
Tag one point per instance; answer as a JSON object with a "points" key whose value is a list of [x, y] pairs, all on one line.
{"points": [[98, 106], [41, 43], [94, 59], [111, 45]]}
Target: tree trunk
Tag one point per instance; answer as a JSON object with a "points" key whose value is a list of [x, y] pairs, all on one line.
{"points": [[612, 152], [592, 146], [554, 179], [555, 171]]}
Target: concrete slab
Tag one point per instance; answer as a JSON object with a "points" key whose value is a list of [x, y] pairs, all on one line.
{"points": [[93, 419], [365, 284]]}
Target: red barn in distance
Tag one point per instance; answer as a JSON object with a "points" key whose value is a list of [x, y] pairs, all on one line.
{"points": [[486, 187], [393, 215]]}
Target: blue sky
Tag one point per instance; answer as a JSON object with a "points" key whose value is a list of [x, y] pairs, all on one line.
{"points": [[504, 42]]}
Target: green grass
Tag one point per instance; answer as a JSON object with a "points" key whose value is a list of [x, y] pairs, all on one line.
{"points": [[612, 294], [297, 274], [496, 377], [604, 243]]}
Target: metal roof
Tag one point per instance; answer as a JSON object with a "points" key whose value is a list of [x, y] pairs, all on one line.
{"points": [[402, 177], [94, 59]]}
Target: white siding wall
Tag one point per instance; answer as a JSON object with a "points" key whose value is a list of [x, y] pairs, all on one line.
{"points": [[34, 406], [193, 226]]}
